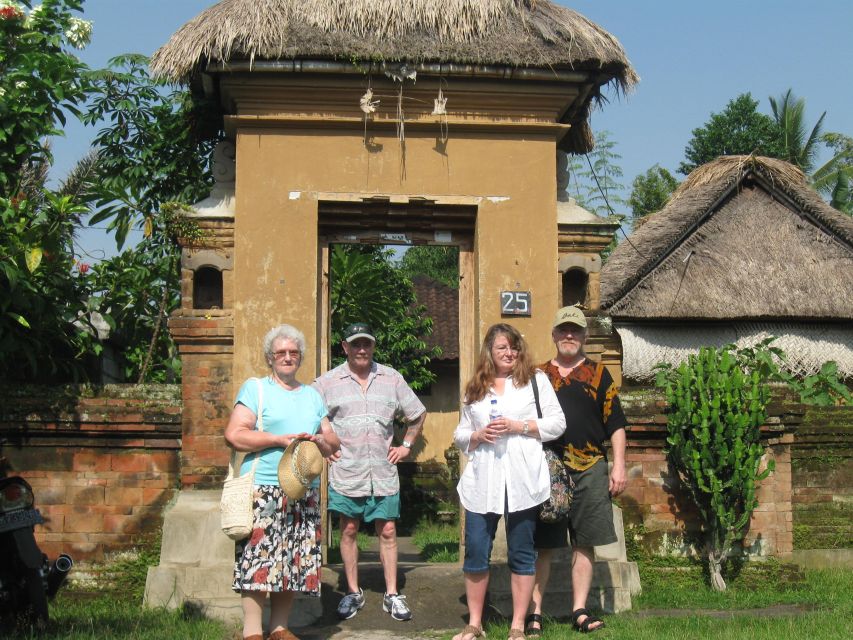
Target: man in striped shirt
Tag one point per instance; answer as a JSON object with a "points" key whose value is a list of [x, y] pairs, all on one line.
{"points": [[363, 398]]}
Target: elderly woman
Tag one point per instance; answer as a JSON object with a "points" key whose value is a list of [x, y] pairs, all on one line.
{"points": [[282, 555], [506, 474]]}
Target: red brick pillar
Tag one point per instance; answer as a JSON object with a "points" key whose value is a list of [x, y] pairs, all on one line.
{"points": [[206, 344]]}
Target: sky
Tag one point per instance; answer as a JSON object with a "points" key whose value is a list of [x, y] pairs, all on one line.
{"points": [[692, 58]]}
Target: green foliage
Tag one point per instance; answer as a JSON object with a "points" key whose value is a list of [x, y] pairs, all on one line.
{"points": [[365, 287], [834, 177], [651, 191], [717, 404], [440, 263], [596, 177], [155, 148], [43, 307], [738, 129], [40, 81], [822, 389], [798, 147], [437, 542]]}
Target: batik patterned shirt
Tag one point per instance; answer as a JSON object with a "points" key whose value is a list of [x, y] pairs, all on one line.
{"points": [[364, 422], [589, 399]]}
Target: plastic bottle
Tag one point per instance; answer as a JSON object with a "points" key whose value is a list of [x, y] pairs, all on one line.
{"points": [[494, 414]]}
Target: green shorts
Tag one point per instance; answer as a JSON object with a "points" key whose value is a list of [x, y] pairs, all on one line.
{"points": [[590, 522], [367, 508]]}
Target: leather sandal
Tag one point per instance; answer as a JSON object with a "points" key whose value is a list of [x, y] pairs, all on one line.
{"points": [[584, 627], [282, 634], [475, 632], [529, 621]]}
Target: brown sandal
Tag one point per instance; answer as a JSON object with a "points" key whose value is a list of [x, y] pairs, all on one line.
{"points": [[474, 631]]}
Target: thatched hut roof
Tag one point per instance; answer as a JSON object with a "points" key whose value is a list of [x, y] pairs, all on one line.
{"points": [[743, 237], [514, 33]]}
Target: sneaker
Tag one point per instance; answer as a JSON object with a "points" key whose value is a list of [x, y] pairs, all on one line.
{"points": [[350, 604], [395, 604]]}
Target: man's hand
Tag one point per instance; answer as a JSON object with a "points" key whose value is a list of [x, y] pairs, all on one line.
{"points": [[618, 479], [396, 454]]}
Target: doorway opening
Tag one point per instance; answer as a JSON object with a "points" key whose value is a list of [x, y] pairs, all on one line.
{"points": [[363, 248]]}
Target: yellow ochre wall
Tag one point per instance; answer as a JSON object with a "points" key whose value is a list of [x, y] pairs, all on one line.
{"points": [[282, 168]]}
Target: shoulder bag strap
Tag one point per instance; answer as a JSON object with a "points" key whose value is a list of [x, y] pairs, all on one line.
{"points": [[536, 395]]}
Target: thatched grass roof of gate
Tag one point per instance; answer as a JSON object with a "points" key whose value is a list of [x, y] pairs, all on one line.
{"points": [[742, 237], [517, 33]]}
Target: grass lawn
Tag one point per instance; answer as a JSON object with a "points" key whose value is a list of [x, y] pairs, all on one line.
{"points": [[696, 611]]}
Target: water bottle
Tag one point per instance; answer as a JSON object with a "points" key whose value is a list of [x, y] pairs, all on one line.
{"points": [[494, 413]]}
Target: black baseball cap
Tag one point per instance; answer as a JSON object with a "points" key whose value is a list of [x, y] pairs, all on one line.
{"points": [[358, 330]]}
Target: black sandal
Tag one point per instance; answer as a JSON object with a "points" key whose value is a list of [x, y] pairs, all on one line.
{"points": [[529, 630], [583, 627]]}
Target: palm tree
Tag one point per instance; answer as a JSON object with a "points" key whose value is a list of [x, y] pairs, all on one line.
{"points": [[833, 178], [789, 113]]}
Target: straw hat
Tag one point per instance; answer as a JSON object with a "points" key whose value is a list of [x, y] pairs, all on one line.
{"points": [[300, 465]]}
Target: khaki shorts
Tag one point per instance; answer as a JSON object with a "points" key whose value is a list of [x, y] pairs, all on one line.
{"points": [[590, 522]]}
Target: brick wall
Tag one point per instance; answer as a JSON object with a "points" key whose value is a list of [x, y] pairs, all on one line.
{"points": [[103, 461], [659, 514], [822, 461]]}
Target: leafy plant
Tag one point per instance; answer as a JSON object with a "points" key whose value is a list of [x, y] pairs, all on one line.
{"points": [[717, 403], [365, 287]]}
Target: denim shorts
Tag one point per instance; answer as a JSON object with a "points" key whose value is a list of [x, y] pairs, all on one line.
{"points": [[480, 531], [367, 508]]}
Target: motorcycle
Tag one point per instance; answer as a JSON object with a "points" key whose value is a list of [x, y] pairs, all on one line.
{"points": [[27, 578]]}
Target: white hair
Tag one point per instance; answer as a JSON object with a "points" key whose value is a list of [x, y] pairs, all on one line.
{"points": [[283, 332]]}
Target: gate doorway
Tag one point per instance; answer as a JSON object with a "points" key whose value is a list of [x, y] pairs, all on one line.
{"points": [[406, 224]]}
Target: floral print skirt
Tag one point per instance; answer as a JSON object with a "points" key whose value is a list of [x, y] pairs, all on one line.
{"points": [[283, 552]]}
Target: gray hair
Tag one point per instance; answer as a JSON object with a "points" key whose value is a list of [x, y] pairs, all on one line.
{"points": [[283, 332]]}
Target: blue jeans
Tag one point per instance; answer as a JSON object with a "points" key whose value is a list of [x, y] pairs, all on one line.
{"points": [[480, 535]]}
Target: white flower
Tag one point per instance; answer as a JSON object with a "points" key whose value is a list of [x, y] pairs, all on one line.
{"points": [[2, 92], [79, 33], [20, 84]]}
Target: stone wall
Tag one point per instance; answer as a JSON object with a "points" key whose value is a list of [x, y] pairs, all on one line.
{"points": [[660, 518], [822, 462], [103, 461]]}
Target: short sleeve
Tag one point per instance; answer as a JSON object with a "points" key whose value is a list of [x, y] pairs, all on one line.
{"points": [[248, 395], [410, 404], [612, 415]]}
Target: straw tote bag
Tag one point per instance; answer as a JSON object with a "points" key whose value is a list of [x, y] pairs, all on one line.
{"points": [[235, 507]]}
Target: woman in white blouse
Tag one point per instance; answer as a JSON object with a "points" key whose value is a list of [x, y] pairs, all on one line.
{"points": [[506, 474]]}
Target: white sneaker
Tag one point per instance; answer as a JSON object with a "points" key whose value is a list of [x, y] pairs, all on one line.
{"points": [[395, 604]]}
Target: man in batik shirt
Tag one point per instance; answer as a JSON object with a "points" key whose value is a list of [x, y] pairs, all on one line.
{"points": [[588, 396]]}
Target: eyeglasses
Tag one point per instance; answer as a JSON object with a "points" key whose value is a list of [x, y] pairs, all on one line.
{"points": [[280, 355], [504, 348]]}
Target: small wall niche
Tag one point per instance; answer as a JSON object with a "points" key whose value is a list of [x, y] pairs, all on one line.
{"points": [[207, 288]]}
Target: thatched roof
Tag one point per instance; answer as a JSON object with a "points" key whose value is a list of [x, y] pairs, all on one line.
{"points": [[743, 237], [516, 33]]}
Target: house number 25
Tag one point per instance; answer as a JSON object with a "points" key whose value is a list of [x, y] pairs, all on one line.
{"points": [[515, 303]]}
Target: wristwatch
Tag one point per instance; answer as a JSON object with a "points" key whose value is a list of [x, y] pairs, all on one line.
{"points": [[525, 429], [406, 444]]}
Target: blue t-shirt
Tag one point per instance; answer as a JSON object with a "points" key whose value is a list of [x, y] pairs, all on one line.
{"points": [[297, 411]]}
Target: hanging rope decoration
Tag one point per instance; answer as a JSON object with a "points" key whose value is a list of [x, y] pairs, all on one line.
{"points": [[368, 106], [440, 110]]}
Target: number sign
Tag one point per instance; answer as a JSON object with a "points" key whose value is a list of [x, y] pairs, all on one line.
{"points": [[515, 303]]}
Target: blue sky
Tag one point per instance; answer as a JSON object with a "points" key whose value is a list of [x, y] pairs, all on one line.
{"points": [[692, 58]]}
